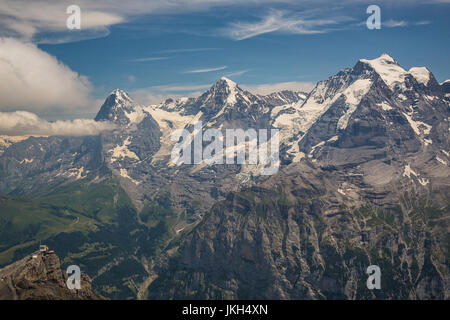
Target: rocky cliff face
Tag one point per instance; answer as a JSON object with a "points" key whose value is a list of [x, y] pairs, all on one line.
{"points": [[364, 178], [365, 182], [41, 278], [446, 89], [300, 236]]}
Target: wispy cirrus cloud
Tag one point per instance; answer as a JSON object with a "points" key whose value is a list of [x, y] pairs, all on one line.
{"points": [[173, 88], [394, 23], [45, 20], [171, 51], [206, 70], [158, 94], [391, 23], [236, 73], [279, 86], [183, 50], [149, 59], [283, 22]]}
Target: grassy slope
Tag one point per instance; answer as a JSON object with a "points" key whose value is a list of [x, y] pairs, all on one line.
{"points": [[91, 224]]}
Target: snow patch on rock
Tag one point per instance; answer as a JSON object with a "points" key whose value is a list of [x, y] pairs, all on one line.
{"points": [[408, 171], [388, 69], [122, 151], [385, 106], [353, 95], [441, 161], [421, 74], [124, 174]]}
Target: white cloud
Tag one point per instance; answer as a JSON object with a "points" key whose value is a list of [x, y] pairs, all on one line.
{"points": [[158, 94], [20, 123], [33, 20], [264, 89], [236, 73], [32, 79], [394, 23], [176, 87], [27, 19], [187, 50], [281, 21], [402, 23], [149, 59], [424, 22], [206, 70], [147, 97]]}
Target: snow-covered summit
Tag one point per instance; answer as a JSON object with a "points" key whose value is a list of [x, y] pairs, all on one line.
{"points": [[228, 81], [120, 94], [119, 97], [120, 108], [227, 88], [421, 74], [388, 69], [393, 74]]}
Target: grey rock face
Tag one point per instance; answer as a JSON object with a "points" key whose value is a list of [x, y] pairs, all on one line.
{"points": [[285, 97], [364, 180], [387, 120], [309, 241], [27, 166], [446, 89], [116, 108], [41, 278], [311, 231]]}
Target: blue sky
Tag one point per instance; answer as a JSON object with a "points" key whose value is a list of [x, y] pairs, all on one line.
{"points": [[159, 49]]}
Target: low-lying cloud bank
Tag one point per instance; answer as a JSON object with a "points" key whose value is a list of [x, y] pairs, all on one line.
{"points": [[21, 123]]}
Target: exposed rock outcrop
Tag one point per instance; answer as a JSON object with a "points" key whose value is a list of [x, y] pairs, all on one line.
{"points": [[39, 277]]}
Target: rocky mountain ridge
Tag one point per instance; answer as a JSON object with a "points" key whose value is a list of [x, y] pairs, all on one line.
{"points": [[39, 277], [364, 177]]}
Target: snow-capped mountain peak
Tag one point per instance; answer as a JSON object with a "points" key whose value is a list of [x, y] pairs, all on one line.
{"points": [[384, 59], [228, 81], [355, 102], [388, 69], [120, 109], [421, 74], [446, 89], [393, 74], [227, 89], [120, 96]]}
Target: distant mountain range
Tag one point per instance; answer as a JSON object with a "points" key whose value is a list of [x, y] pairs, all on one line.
{"points": [[364, 179]]}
